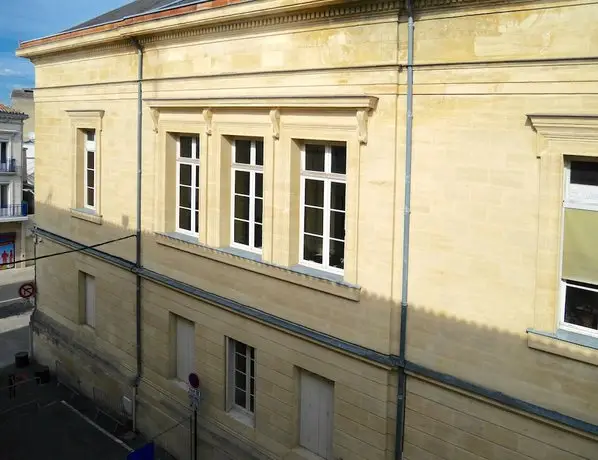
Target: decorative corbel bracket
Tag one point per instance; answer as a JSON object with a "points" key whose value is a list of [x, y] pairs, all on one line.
{"points": [[362, 126], [207, 116], [155, 113], [275, 120]]}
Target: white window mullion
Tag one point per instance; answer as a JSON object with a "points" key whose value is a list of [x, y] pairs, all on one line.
{"points": [[193, 185], [252, 209], [326, 232]]}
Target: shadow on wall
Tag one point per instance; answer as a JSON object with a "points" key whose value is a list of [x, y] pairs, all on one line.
{"points": [[456, 350]]}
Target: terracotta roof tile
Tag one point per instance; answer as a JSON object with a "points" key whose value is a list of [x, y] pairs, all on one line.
{"points": [[10, 111]]}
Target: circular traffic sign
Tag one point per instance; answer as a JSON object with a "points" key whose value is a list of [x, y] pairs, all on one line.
{"points": [[194, 380], [26, 290]]}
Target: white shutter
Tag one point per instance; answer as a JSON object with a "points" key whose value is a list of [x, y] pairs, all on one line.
{"points": [[185, 348], [90, 300], [317, 399]]}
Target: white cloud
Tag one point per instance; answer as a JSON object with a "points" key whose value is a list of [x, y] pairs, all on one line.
{"points": [[6, 72]]}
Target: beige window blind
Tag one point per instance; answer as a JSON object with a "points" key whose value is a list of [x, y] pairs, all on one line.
{"points": [[580, 246]]}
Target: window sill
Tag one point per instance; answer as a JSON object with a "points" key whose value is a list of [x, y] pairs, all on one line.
{"points": [[242, 417], [87, 215], [301, 453], [314, 279], [564, 343]]}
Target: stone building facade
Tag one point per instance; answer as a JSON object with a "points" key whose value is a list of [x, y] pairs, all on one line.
{"points": [[274, 143]]}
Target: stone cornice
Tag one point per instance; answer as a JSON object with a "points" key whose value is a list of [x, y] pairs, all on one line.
{"points": [[558, 127], [197, 23]]}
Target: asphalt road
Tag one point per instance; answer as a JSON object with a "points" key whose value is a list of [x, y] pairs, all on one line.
{"points": [[10, 282]]}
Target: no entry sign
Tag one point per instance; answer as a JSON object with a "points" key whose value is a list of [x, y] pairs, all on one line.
{"points": [[27, 290]]}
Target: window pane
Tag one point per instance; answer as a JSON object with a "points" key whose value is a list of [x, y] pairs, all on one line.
{"points": [[196, 138], [584, 172], [314, 157], [90, 178], [241, 232], [242, 182], [186, 143], [337, 196], [90, 197], [581, 307], [252, 386], [339, 159], [337, 225], [314, 192], [337, 254], [185, 196], [196, 198], [242, 151], [196, 222], [240, 362], [259, 153], [185, 174], [240, 347], [185, 219], [240, 396], [258, 235], [258, 210], [259, 184], [314, 220], [312, 248], [242, 207], [196, 176], [90, 160], [91, 135], [251, 403]]}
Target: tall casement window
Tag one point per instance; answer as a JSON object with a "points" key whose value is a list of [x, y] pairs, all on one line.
{"points": [[579, 271], [323, 191], [90, 169], [3, 155], [187, 170], [241, 377], [247, 194]]}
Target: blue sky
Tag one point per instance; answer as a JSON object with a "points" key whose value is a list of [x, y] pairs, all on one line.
{"points": [[29, 19]]}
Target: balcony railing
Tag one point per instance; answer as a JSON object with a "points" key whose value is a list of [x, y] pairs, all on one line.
{"points": [[13, 210], [9, 167]]}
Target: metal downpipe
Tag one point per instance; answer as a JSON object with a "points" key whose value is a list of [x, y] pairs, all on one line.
{"points": [[138, 229], [402, 384]]}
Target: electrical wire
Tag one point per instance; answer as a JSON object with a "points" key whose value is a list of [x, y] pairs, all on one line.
{"points": [[67, 252]]}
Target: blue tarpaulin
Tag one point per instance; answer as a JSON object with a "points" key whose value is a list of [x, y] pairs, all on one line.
{"points": [[144, 453]]}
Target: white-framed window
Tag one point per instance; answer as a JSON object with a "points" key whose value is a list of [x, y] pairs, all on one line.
{"points": [[247, 178], [4, 154], [323, 192], [4, 195], [89, 178], [241, 377], [579, 265], [89, 299], [187, 180], [185, 348]]}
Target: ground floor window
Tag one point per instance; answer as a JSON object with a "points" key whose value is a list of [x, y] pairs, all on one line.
{"points": [[7, 250]]}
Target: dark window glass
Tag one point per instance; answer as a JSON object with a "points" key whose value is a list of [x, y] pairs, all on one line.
{"points": [[90, 160], [242, 151], [259, 153], [337, 196], [258, 210], [339, 159], [241, 230], [242, 182], [185, 219], [91, 135], [337, 225], [314, 157], [584, 172], [314, 192], [240, 397], [259, 184], [90, 178], [196, 197], [251, 403], [185, 174], [242, 207], [185, 196], [581, 307], [314, 220], [258, 236], [90, 197], [312, 248], [240, 362], [337, 254], [186, 144], [196, 222]]}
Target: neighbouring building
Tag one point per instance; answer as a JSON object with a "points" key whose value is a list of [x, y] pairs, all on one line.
{"points": [[279, 167], [23, 101], [13, 210]]}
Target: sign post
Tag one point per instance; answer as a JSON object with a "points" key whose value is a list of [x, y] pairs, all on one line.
{"points": [[194, 396]]}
